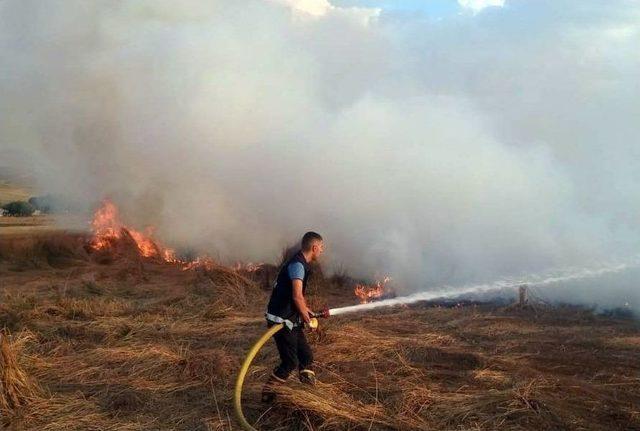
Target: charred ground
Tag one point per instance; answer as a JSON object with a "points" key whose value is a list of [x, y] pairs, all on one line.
{"points": [[126, 343]]}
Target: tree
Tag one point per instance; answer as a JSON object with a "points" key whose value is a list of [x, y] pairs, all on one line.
{"points": [[19, 208]]}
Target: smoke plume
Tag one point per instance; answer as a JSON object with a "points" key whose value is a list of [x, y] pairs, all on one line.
{"points": [[490, 142]]}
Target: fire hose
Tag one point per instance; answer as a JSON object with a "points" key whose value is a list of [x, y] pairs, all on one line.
{"points": [[237, 396]]}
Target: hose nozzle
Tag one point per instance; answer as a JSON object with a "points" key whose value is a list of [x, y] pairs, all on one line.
{"points": [[324, 313]]}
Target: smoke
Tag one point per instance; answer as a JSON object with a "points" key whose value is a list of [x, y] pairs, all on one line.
{"points": [[489, 142]]}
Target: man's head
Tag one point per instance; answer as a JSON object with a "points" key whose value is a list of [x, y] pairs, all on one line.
{"points": [[312, 246]]}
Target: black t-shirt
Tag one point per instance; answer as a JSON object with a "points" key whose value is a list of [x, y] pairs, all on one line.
{"points": [[281, 302]]}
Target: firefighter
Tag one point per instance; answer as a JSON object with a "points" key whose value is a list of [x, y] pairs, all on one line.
{"points": [[287, 305]]}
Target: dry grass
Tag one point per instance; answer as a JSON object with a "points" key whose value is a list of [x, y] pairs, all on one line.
{"points": [[11, 226], [44, 250], [130, 344], [16, 388]]}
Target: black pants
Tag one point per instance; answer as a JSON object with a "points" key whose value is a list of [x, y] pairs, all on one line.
{"points": [[294, 350]]}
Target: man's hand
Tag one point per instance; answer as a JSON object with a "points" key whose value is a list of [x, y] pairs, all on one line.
{"points": [[301, 303]]}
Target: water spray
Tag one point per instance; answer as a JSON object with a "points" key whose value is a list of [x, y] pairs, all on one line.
{"points": [[531, 281]]}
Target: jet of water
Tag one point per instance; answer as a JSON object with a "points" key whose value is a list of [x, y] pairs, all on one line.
{"points": [[571, 274]]}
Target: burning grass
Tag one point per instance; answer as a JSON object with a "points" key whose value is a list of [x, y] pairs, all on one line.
{"points": [[371, 292], [140, 343]]}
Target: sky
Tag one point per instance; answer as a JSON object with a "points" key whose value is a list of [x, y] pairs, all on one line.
{"points": [[437, 8], [431, 8], [437, 142]]}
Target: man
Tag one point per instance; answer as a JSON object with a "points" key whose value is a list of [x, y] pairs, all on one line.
{"points": [[287, 305]]}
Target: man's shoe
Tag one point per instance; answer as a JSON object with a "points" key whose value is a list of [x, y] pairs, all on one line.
{"points": [[308, 377]]}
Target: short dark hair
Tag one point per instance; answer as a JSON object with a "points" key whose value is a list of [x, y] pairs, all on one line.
{"points": [[308, 239]]}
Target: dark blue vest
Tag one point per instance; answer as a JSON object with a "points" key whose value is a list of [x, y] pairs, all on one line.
{"points": [[281, 303]]}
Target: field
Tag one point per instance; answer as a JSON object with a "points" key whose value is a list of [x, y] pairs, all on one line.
{"points": [[10, 226], [38, 224], [119, 342], [41, 225], [20, 225]]}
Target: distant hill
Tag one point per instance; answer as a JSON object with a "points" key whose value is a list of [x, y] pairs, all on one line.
{"points": [[11, 192], [14, 185]]}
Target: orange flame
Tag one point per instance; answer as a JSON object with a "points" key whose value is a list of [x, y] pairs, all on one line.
{"points": [[248, 267], [369, 292], [205, 263], [106, 226], [108, 229]]}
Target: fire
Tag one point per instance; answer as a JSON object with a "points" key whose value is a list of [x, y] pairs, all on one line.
{"points": [[205, 263], [370, 292], [106, 226], [248, 267], [108, 230], [110, 233]]}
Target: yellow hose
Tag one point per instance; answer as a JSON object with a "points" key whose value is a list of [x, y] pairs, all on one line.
{"points": [[237, 397]]}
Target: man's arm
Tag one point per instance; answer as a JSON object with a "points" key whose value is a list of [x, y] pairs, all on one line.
{"points": [[298, 299]]}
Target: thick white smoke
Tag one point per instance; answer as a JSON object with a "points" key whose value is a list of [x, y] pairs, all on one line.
{"points": [[488, 143]]}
